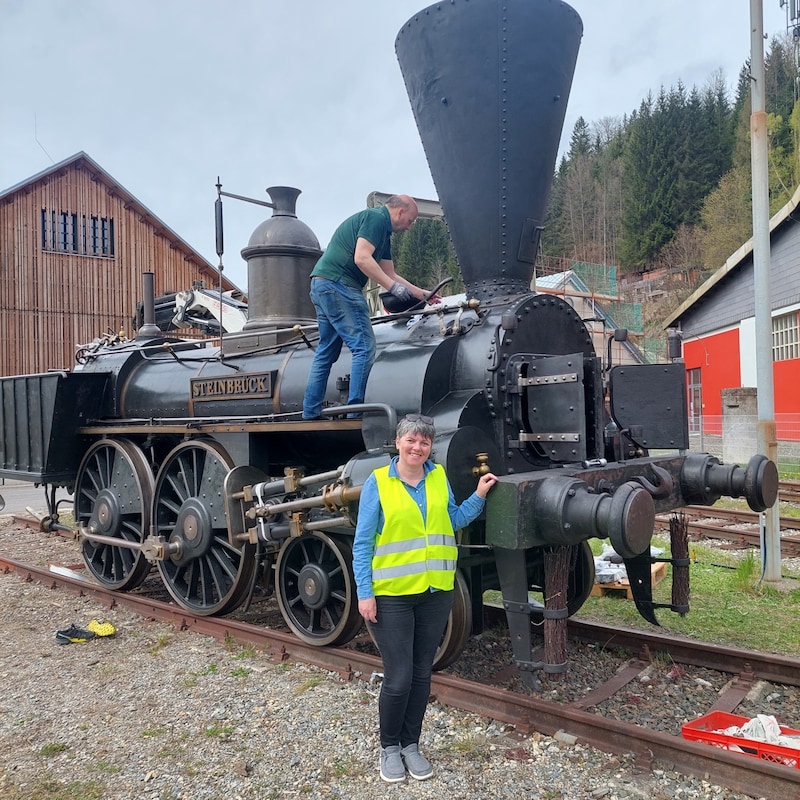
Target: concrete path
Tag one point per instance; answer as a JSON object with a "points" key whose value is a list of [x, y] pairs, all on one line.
{"points": [[20, 495]]}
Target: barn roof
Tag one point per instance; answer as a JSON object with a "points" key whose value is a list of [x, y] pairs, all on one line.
{"points": [[734, 262], [96, 172]]}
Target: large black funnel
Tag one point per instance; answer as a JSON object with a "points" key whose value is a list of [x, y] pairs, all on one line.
{"points": [[488, 82]]}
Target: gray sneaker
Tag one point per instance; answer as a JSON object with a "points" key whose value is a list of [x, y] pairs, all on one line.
{"points": [[392, 769], [417, 765]]}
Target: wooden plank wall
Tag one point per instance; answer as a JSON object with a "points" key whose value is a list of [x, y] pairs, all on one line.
{"points": [[51, 302]]}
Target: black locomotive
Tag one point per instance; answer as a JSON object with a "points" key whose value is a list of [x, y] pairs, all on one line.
{"points": [[191, 456]]}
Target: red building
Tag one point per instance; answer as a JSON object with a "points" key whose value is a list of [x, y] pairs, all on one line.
{"points": [[717, 325]]}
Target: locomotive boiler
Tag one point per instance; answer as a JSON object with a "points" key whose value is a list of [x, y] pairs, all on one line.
{"points": [[191, 456]]}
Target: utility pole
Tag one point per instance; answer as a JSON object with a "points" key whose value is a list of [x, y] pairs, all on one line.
{"points": [[766, 434]]}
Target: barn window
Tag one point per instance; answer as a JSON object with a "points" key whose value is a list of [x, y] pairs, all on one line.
{"points": [[785, 337], [66, 232]]}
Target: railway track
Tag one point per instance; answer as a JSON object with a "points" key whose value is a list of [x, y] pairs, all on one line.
{"points": [[579, 720], [789, 491], [741, 528]]}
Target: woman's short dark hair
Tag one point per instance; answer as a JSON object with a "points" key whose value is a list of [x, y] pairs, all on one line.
{"points": [[417, 424]]}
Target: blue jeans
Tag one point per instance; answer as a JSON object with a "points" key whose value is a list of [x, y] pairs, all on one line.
{"points": [[343, 317], [408, 632]]}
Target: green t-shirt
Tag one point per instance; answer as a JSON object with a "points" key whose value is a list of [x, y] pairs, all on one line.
{"points": [[336, 263]]}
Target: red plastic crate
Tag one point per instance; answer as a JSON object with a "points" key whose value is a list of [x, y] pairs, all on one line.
{"points": [[705, 730]]}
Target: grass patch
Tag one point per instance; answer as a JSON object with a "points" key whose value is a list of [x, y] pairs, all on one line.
{"points": [[240, 672], [163, 640], [247, 651], [53, 749], [470, 745], [341, 767], [191, 679], [744, 574], [75, 790], [728, 605], [309, 683], [218, 731]]}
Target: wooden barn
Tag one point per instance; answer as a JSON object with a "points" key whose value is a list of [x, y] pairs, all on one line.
{"points": [[74, 244]]}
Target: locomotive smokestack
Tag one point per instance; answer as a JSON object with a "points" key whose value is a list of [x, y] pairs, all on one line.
{"points": [[488, 82]]}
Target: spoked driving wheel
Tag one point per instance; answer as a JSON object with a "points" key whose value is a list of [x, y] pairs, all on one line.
{"points": [[113, 493], [316, 589], [204, 573]]}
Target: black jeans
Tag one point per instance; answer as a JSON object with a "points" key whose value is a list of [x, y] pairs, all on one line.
{"points": [[408, 632]]}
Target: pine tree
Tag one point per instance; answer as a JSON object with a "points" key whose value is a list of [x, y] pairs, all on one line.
{"points": [[425, 256], [622, 194], [648, 192]]}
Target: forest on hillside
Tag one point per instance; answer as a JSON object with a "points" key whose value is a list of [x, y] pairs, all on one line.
{"points": [[666, 187]]}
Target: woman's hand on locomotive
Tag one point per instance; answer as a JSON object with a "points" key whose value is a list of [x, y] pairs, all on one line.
{"points": [[485, 483], [368, 609]]}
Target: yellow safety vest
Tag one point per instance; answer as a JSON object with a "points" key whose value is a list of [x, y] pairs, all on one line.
{"points": [[412, 556]]}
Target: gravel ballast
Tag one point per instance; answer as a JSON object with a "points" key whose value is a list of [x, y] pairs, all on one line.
{"points": [[164, 714]]}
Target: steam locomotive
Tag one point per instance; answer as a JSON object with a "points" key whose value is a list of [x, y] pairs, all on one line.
{"points": [[192, 455]]}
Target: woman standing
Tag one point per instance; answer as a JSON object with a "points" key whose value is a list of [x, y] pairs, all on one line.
{"points": [[404, 560]]}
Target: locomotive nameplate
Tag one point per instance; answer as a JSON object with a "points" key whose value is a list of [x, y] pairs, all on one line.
{"points": [[250, 386]]}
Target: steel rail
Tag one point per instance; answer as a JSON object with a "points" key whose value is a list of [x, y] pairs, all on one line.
{"points": [[737, 516], [765, 666], [645, 644], [789, 543]]}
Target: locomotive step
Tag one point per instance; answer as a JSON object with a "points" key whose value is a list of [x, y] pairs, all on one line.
{"points": [[658, 572]]}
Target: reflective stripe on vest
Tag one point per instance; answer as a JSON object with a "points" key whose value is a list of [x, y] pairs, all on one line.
{"points": [[412, 556]]}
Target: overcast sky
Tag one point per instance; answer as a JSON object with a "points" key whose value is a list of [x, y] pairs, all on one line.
{"points": [[166, 95]]}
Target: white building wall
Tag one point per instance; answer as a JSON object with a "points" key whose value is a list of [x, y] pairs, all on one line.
{"points": [[747, 351], [747, 344]]}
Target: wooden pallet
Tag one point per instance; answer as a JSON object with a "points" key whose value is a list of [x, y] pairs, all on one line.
{"points": [[658, 572]]}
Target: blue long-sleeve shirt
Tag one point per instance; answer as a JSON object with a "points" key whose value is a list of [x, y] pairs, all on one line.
{"points": [[371, 519]]}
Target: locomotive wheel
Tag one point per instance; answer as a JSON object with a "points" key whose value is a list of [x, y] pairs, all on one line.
{"points": [[316, 589], [458, 628], [206, 575], [581, 579], [113, 493]]}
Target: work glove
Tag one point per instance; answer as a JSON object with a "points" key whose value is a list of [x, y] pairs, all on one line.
{"points": [[401, 292]]}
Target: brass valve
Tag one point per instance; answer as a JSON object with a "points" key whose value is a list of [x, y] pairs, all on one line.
{"points": [[483, 465]]}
